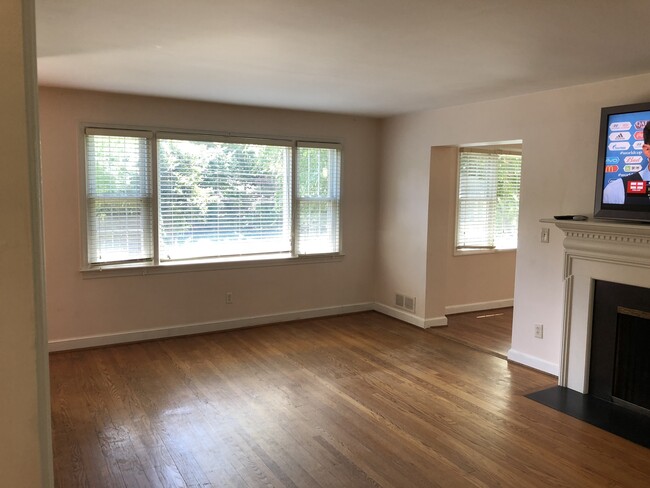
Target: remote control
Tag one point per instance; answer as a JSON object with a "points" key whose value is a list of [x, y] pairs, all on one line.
{"points": [[570, 217]]}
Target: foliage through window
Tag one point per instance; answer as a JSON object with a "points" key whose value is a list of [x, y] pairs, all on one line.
{"points": [[213, 197], [488, 199]]}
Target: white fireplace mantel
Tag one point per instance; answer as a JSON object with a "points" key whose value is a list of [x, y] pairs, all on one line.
{"points": [[595, 250]]}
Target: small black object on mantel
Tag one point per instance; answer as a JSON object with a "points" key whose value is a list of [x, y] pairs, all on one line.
{"points": [[570, 217]]}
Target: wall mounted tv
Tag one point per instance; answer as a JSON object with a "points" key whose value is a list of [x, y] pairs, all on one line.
{"points": [[623, 179]]}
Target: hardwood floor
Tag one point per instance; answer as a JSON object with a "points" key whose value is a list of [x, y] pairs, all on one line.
{"points": [[489, 331], [353, 401]]}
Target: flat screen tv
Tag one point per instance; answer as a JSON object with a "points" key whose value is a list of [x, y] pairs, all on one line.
{"points": [[623, 179]]}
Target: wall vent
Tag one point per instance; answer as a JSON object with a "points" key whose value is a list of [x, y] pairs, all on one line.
{"points": [[405, 302]]}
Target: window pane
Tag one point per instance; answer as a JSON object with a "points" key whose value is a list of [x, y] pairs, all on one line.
{"points": [[223, 199], [318, 226], [507, 207], [120, 229], [488, 200], [118, 188], [318, 187], [475, 223], [318, 170]]}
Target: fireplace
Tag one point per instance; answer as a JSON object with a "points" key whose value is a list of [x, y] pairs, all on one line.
{"points": [[599, 365], [595, 251]]}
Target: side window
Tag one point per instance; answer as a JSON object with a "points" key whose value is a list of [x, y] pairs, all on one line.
{"points": [[118, 197], [318, 198]]}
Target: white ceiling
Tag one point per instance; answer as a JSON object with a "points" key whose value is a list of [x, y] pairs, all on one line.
{"points": [[369, 57]]}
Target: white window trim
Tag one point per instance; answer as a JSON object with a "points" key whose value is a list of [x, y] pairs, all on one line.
{"points": [[207, 265], [199, 264], [470, 252]]}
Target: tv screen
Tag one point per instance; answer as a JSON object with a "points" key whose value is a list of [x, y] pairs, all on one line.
{"points": [[623, 178]]}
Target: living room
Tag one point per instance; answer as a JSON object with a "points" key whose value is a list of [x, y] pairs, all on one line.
{"points": [[396, 218]]}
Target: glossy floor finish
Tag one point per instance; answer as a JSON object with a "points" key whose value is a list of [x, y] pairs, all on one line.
{"points": [[354, 401], [489, 331]]}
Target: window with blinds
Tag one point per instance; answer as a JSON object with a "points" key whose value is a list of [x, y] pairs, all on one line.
{"points": [[488, 199], [166, 197], [223, 198], [318, 196], [118, 195]]}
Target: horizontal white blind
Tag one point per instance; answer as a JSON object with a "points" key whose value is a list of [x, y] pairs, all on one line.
{"points": [[488, 200], [223, 199], [118, 193], [318, 194]]}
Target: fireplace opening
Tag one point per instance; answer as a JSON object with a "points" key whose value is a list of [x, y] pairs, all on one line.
{"points": [[620, 345], [632, 360]]}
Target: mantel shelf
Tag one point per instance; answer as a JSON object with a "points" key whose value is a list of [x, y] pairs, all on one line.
{"points": [[600, 227]]}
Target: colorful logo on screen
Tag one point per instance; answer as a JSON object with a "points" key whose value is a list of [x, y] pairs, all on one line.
{"points": [[632, 168], [637, 187], [633, 159], [619, 136], [614, 126], [640, 124], [611, 160], [619, 146], [611, 168]]}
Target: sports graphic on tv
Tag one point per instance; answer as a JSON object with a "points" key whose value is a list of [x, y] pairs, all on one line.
{"points": [[622, 131]]}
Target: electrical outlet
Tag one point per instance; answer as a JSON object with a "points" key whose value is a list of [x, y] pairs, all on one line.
{"points": [[546, 234], [539, 331], [228, 297]]}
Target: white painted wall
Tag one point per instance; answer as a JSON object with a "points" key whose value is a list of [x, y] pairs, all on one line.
{"points": [[83, 308], [559, 129], [25, 446]]}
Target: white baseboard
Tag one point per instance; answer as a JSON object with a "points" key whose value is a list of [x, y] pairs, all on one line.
{"points": [[200, 328], [435, 322], [474, 307], [409, 318], [533, 362]]}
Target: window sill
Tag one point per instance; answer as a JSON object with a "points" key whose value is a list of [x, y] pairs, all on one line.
{"points": [[481, 251], [191, 266]]}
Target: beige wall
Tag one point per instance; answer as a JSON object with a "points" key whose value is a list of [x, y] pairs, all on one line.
{"points": [[559, 129], [479, 280], [79, 307], [25, 451], [402, 231]]}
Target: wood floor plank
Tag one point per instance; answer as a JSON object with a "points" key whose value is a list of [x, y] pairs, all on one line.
{"points": [[360, 400], [489, 331]]}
